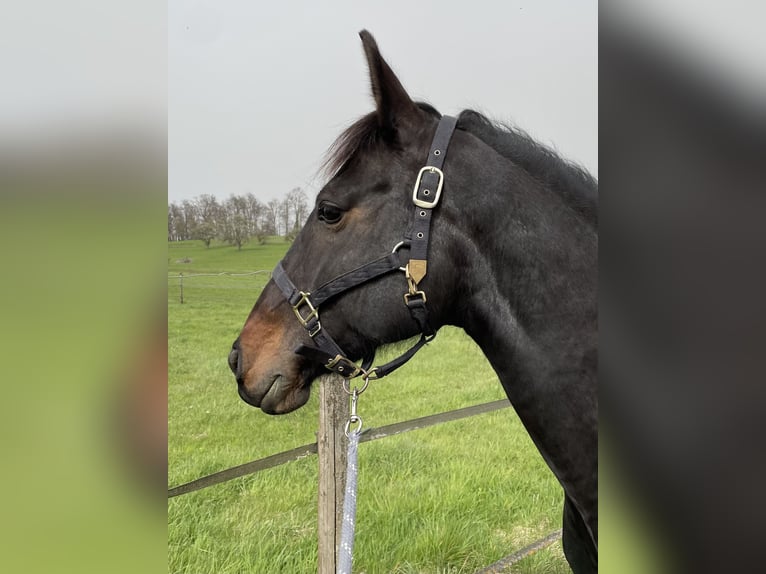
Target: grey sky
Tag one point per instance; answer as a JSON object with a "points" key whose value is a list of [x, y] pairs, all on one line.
{"points": [[259, 90]]}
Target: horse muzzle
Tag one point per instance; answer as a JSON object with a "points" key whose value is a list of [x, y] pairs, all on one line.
{"points": [[273, 392]]}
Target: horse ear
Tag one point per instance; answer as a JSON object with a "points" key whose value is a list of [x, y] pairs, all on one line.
{"points": [[394, 105]]}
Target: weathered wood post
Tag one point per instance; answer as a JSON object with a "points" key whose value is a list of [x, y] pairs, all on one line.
{"points": [[331, 448], [181, 283]]}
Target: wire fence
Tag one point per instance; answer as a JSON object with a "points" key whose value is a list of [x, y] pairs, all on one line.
{"points": [[214, 290], [368, 435], [329, 445], [305, 450]]}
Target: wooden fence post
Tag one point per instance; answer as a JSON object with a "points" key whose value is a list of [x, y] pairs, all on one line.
{"points": [[331, 448]]}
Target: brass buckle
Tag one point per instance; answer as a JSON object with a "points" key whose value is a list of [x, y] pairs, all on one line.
{"points": [[420, 202], [312, 312]]}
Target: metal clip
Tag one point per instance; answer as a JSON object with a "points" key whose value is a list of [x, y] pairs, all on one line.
{"points": [[353, 419], [354, 401], [413, 288]]}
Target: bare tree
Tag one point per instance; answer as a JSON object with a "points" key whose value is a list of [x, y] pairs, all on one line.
{"points": [[235, 229], [256, 212], [299, 206], [209, 218], [173, 212], [271, 218], [238, 218], [188, 219], [284, 217]]}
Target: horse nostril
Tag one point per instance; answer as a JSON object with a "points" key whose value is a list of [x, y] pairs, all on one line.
{"points": [[234, 357]]}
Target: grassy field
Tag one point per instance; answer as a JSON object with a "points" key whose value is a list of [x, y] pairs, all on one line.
{"points": [[447, 499]]}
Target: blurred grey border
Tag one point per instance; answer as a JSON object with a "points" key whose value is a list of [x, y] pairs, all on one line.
{"points": [[83, 190], [683, 246]]}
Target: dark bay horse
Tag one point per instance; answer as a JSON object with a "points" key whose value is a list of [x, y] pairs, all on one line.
{"points": [[512, 259]]}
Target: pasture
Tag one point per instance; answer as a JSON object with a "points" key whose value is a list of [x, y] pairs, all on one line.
{"points": [[447, 499]]}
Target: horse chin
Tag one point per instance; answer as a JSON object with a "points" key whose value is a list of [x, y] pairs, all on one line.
{"points": [[284, 397], [281, 395]]}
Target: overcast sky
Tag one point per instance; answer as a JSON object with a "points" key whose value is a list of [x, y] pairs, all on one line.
{"points": [[259, 90]]}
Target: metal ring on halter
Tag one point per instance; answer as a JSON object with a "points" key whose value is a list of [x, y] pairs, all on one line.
{"points": [[353, 419], [396, 248], [367, 376]]}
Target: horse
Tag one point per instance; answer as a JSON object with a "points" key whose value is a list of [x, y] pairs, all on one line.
{"points": [[508, 253]]}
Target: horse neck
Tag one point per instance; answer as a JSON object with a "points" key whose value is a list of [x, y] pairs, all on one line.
{"points": [[531, 267], [529, 301]]}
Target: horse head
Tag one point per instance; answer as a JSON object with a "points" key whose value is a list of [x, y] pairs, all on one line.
{"points": [[361, 214]]}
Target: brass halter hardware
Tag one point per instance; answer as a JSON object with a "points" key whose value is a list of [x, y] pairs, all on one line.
{"points": [[312, 313], [305, 305], [413, 287]]}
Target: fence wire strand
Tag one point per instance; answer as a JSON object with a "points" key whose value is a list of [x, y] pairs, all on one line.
{"points": [[221, 274]]}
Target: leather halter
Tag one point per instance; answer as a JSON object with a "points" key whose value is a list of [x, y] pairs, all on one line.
{"points": [[425, 197]]}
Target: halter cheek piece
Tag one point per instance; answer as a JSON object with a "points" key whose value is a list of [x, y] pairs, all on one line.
{"points": [[305, 305]]}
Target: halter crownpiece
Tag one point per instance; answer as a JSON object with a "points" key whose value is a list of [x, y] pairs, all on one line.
{"points": [[425, 197]]}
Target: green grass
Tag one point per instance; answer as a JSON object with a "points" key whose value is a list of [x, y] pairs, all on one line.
{"points": [[451, 498]]}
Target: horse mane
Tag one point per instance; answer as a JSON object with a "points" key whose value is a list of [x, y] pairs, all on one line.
{"points": [[363, 135], [360, 136], [571, 181]]}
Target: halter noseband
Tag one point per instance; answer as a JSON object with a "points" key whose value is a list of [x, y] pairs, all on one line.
{"points": [[425, 196]]}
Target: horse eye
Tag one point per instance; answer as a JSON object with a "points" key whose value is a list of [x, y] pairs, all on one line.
{"points": [[329, 213]]}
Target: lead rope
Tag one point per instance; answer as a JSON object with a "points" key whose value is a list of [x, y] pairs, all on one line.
{"points": [[346, 549], [346, 552]]}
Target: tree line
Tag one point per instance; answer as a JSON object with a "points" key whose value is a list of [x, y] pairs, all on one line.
{"points": [[237, 219]]}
